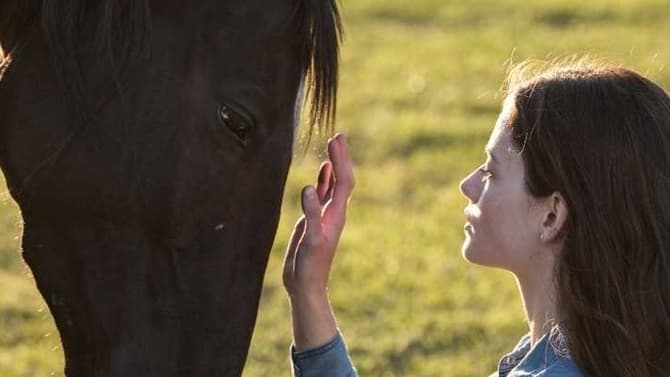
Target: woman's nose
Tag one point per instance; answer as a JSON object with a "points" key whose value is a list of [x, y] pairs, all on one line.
{"points": [[469, 187]]}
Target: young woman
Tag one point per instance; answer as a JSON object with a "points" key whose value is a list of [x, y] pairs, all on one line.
{"points": [[573, 199]]}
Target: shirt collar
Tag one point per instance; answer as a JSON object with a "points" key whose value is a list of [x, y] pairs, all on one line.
{"points": [[547, 350]]}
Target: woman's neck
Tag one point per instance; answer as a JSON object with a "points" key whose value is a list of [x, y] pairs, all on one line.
{"points": [[538, 295]]}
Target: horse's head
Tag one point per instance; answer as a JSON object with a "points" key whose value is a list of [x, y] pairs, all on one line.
{"points": [[147, 145]]}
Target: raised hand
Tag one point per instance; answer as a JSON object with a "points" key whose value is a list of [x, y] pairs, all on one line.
{"points": [[311, 249]]}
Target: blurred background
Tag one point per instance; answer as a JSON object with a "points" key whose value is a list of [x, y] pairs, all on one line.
{"points": [[419, 94]]}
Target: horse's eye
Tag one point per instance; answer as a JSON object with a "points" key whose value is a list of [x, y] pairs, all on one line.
{"points": [[237, 122]]}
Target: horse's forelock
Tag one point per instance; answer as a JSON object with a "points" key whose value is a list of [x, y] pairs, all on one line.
{"points": [[123, 28], [321, 33]]}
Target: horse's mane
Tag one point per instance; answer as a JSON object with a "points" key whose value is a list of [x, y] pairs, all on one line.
{"points": [[321, 29], [123, 29]]}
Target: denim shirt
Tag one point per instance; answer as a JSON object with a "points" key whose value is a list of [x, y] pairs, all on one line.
{"points": [[329, 360], [548, 358]]}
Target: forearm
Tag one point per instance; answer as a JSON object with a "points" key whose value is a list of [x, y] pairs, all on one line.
{"points": [[318, 349], [313, 321]]}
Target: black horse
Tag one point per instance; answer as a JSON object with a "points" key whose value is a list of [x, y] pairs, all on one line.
{"points": [[147, 144]]}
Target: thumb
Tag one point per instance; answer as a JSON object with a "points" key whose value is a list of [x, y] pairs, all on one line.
{"points": [[312, 210]]}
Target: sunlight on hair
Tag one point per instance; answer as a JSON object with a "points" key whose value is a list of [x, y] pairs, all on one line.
{"points": [[520, 74], [4, 62]]}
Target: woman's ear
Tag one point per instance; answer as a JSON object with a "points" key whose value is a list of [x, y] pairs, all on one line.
{"points": [[555, 218]]}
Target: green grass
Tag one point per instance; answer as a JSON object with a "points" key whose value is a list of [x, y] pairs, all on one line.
{"points": [[419, 94]]}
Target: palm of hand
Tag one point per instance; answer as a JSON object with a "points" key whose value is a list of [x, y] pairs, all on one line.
{"points": [[312, 246]]}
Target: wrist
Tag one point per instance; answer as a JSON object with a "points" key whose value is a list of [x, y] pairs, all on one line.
{"points": [[312, 297], [310, 309], [313, 321]]}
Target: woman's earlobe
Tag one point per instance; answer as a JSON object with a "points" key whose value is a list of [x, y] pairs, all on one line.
{"points": [[556, 219]]}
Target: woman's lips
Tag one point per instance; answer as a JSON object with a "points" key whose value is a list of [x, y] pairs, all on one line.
{"points": [[471, 213], [468, 228]]}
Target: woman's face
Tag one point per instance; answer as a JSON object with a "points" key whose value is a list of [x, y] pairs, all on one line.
{"points": [[503, 227]]}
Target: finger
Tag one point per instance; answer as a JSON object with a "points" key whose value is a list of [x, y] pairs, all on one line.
{"points": [[324, 181], [297, 234], [342, 170], [312, 210], [331, 186]]}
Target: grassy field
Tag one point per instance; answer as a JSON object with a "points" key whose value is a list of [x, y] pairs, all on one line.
{"points": [[419, 94]]}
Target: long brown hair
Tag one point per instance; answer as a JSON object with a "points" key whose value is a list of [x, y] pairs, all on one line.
{"points": [[599, 135]]}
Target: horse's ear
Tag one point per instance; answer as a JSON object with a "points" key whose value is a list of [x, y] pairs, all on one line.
{"points": [[321, 33]]}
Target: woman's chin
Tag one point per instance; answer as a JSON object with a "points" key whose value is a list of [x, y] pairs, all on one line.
{"points": [[469, 256], [475, 255], [468, 251]]}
